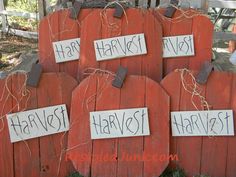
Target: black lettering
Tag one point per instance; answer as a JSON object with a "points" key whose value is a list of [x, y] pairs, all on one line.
{"points": [[221, 121], [101, 49], [204, 127], [194, 122], [31, 118], [26, 127], [127, 123], [182, 123], [111, 121], [73, 46], [187, 44], [58, 118], [18, 124], [189, 128], [143, 114], [175, 49], [63, 116], [95, 124], [176, 124], [113, 46], [69, 51], [108, 51], [60, 51], [123, 50], [212, 125], [50, 121], [121, 127], [106, 128], [78, 49], [132, 43], [136, 122], [165, 44], [140, 45], [181, 46], [190, 43], [227, 122], [44, 125]]}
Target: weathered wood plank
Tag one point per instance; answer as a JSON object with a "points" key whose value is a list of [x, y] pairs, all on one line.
{"points": [[222, 4], [6, 147], [52, 90], [26, 153], [107, 167], [4, 20], [226, 36]]}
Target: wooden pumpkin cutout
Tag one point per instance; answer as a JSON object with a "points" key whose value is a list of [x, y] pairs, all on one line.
{"points": [[97, 93], [101, 24], [213, 156], [187, 22], [58, 26], [39, 156]]}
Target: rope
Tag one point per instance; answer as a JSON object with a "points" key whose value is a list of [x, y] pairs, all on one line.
{"points": [[192, 88]]}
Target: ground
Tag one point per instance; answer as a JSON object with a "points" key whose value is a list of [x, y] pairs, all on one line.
{"points": [[11, 47]]}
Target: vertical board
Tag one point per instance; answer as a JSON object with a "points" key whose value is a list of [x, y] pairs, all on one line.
{"points": [[6, 148], [209, 155], [26, 153], [50, 92], [134, 21], [109, 147], [118, 157], [214, 160], [182, 25], [57, 27]]}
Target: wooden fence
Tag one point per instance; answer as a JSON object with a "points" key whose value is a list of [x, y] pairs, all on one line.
{"points": [[7, 28], [39, 156]]}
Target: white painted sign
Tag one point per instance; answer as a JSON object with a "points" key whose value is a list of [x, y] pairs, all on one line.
{"points": [[119, 123], [37, 122], [202, 123], [177, 46], [67, 50], [118, 47]]}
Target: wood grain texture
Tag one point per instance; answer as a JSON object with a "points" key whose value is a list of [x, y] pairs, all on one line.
{"points": [[6, 148], [180, 25], [39, 156], [55, 27], [204, 155], [26, 154], [97, 93], [107, 26], [51, 147]]}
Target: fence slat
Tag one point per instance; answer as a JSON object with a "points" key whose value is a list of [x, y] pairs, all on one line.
{"points": [[143, 3], [19, 14], [6, 147], [153, 3], [26, 154], [4, 20]]}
